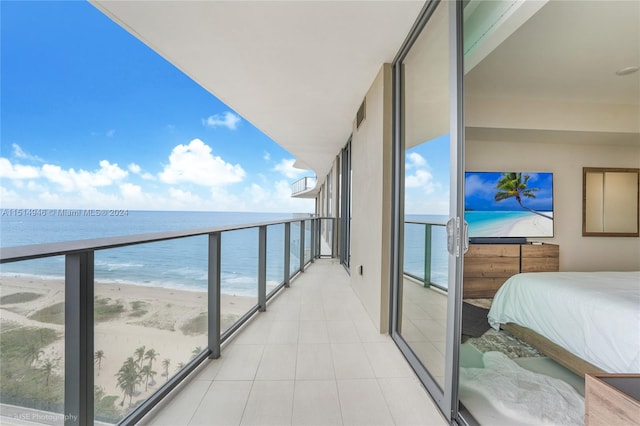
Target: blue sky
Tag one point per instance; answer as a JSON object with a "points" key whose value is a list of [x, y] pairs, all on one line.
{"points": [[427, 171], [481, 187], [92, 118]]}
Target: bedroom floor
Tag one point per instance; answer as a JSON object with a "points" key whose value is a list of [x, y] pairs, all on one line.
{"points": [[495, 411]]}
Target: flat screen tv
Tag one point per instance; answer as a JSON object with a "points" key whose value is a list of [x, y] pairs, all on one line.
{"points": [[509, 204]]}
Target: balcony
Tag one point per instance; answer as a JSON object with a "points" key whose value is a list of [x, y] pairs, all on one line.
{"points": [[304, 187], [300, 348]]}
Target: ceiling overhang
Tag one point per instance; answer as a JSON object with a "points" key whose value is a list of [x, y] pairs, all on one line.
{"points": [[297, 70]]}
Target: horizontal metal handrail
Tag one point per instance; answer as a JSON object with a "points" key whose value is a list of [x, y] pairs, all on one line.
{"points": [[35, 251]]}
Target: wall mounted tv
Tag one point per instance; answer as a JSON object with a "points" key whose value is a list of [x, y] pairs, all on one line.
{"points": [[509, 205]]}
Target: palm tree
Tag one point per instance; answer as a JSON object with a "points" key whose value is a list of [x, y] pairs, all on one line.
{"points": [[139, 353], [513, 185], [98, 357], [128, 377], [151, 355], [180, 366], [31, 353], [165, 365], [196, 351], [145, 374], [47, 367]]}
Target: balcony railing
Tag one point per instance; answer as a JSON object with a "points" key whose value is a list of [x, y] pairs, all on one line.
{"points": [[284, 248], [425, 253], [302, 185]]}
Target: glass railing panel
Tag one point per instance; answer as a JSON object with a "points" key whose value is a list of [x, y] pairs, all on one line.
{"points": [[414, 250], [150, 319], [294, 247], [32, 363], [239, 275], [326, 236], [275, 256], [307, 241]]}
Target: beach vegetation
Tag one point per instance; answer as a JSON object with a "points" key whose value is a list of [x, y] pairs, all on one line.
{"points": [[105, 406], [52, 314], [138, 308], [516, 185], [105, 309], [196, 352], [22, 297], [195, 325], [23, 383]]}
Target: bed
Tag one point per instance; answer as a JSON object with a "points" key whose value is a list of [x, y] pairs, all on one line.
{"points": [[587, 321]]}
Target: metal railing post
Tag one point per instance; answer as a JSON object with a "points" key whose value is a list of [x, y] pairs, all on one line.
{"points": [[287, 253], [312, 255], [427, 255], [334, 236], [262, 268], [215, 248], [78, 342], [302, 226]]}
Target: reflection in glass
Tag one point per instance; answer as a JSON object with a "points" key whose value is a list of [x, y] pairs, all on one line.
{"points": [[423, 310]]}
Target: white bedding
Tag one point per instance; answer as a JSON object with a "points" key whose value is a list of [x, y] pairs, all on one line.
{"points": [[594, 315]]}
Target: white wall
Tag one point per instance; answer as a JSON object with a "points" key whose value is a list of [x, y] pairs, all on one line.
{"points": [[566, 160], [371, 201]]}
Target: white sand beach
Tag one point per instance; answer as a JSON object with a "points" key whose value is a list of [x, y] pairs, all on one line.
{"points": [[534, 226], [169, 321]]}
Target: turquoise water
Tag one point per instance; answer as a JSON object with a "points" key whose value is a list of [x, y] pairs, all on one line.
{"points": [[497, 223]]}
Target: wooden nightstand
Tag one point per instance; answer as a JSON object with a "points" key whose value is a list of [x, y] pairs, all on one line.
{"points": [[612, 399]]}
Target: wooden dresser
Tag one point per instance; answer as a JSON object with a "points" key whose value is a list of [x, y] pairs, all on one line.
{"points": [[612, 399], [487, 266]]}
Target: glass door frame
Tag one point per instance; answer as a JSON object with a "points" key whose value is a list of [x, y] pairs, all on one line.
{"points": [[345, 207], [447, 398]]}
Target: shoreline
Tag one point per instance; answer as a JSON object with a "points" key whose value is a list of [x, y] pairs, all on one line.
{"points": [[172, 322], [532, 226]]}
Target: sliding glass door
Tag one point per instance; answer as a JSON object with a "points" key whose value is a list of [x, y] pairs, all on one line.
{"points": [[428, 225]]}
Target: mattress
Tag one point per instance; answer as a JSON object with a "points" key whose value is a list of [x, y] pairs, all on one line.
{"points": [[594, 315]]}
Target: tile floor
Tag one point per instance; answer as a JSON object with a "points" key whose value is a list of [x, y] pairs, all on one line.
{"points": [[313, 358]]}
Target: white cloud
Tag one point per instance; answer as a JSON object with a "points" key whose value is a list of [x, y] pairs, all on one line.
{"points": [[286, 168], [71, 180], [194, 163], [228, 120], [266, 156], [415, 160], [134, 168], [18, 171], [421, 179], [129, 190], [18, 152], [110, 133]]}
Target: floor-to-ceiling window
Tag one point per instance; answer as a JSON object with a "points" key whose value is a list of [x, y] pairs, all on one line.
{"points": [[427, 196]]}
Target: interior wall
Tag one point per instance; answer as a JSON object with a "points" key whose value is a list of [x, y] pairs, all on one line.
{"points": [[566, 160], [371, 201]]}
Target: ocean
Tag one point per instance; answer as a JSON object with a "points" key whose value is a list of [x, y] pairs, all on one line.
{"points": [[179, 264], [182, 263]]}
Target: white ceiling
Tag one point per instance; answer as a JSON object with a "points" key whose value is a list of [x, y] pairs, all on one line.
{"points": [[297, 70]]}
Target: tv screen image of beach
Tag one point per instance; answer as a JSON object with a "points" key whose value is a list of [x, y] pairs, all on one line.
{"points": [[509, 204]]}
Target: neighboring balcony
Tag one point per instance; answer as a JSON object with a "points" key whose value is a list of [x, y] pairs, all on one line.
{"points": [[304, 188]]}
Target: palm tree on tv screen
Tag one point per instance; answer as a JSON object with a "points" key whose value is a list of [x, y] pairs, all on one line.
{"points": [[515, 185]]}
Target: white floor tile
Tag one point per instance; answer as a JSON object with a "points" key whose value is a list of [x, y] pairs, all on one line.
{"points": [[386, 360], [240, 362], [313, 332], [316, 403], [183, 404], [278, 362], [362, 403], [350, 361], [409, 403], [315, 362], [223, 404], [270, 403]]}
